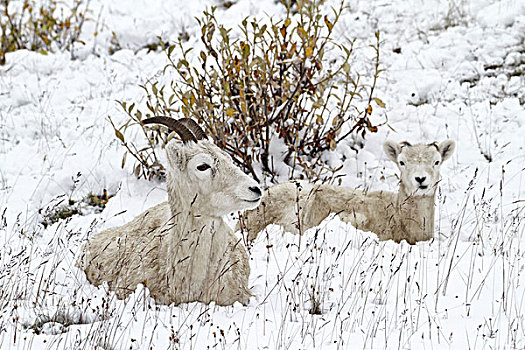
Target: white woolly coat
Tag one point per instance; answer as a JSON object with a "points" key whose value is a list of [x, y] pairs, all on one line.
{"points": [[298, 206], [210, 265]]}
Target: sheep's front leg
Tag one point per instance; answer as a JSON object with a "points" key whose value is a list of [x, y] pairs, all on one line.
{"points": [[356, 219]]}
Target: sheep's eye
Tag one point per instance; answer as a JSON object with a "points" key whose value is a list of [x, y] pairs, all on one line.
{"points": [[437, 162], [203, 167], [402, 163]]}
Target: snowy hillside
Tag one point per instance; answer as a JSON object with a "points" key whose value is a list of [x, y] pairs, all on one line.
{"points": [[454, 69]]}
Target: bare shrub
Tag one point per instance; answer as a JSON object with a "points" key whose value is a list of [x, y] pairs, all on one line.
{"points": [[289, 81], [42, 28]]}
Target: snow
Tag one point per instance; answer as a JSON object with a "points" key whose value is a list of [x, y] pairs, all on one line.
{"points": [[456, 75]]}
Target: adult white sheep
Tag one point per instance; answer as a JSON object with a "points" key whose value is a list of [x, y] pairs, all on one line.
{"points": [[405, 215], [181, 249]]}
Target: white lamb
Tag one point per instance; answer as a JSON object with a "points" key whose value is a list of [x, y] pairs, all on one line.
{"points": [[182, 250], [405, 215]]}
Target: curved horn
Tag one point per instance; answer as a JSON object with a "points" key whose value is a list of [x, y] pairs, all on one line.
{"points": [[174, 125], [194, 128]]}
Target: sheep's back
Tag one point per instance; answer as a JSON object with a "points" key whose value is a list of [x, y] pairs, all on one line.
{"points": [[127, 255]]}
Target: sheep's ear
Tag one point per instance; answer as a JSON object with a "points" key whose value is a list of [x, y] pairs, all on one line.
{"points": [[176, 156], [446, 148], [392, 150]]}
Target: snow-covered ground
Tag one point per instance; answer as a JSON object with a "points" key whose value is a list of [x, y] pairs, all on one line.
{"points": [[454, 69]]}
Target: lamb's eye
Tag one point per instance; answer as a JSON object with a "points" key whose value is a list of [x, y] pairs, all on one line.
{"points": [[203, 167], [437, 162], [402, 163]]}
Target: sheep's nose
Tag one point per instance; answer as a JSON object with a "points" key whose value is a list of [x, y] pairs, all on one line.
{"points": [[256, 190], [421, 179]]}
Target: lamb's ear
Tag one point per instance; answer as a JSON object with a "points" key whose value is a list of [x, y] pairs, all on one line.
{"points": [[176, 156], [446, 148], [392, 150]]}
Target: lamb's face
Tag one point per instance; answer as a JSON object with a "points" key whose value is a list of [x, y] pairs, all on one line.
{"points": [[419, 164], [208, 174]]}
